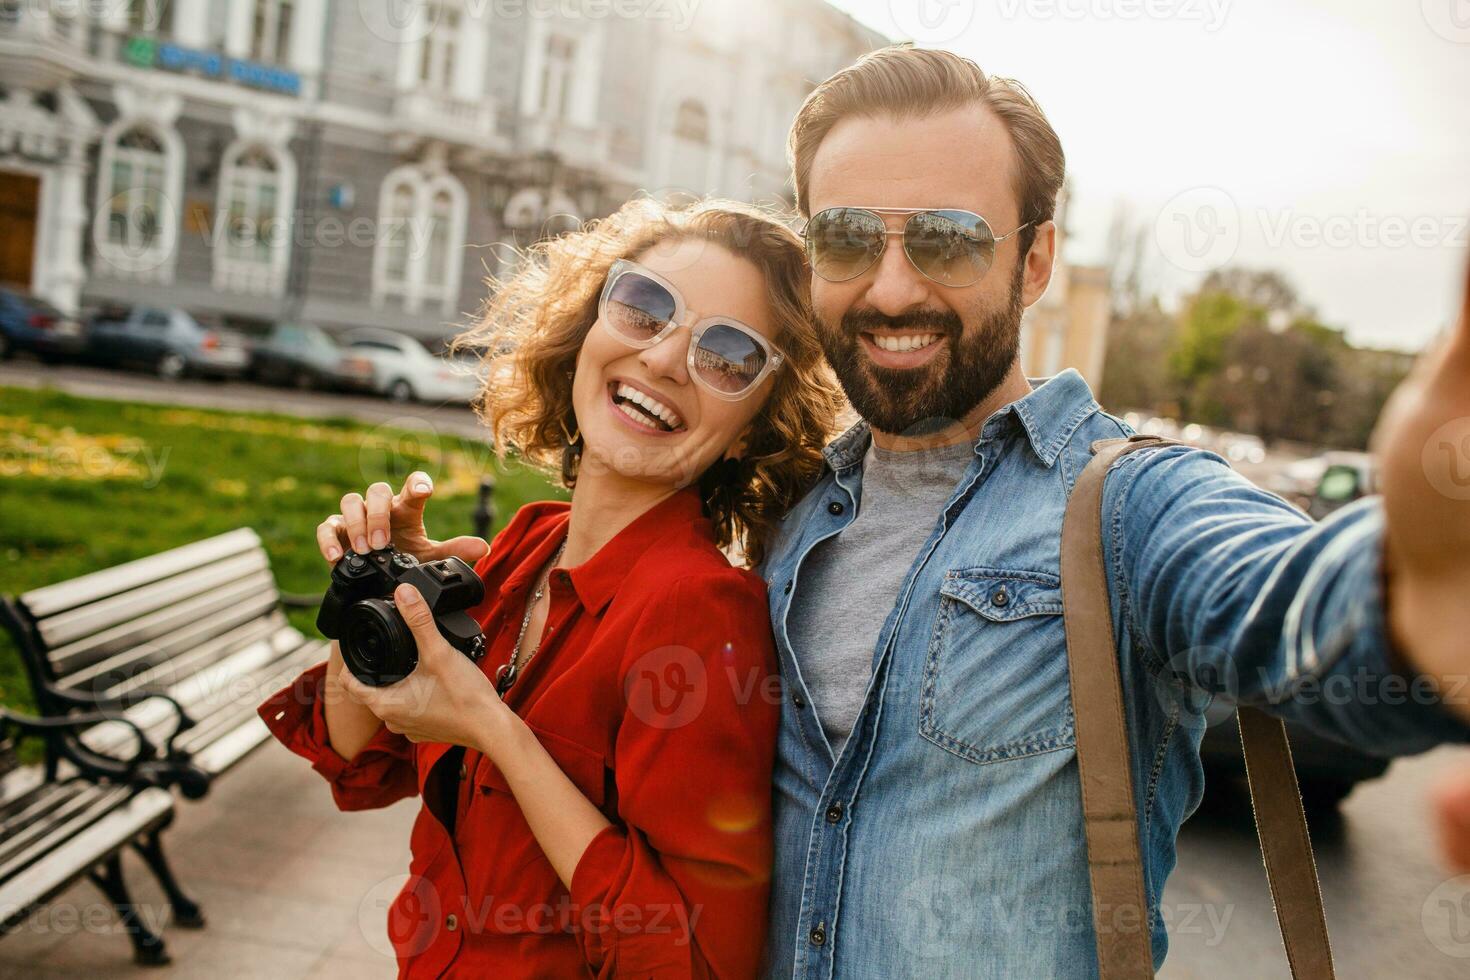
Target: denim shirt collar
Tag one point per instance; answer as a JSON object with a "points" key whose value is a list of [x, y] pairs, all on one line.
{"points": [[1048, 416]]}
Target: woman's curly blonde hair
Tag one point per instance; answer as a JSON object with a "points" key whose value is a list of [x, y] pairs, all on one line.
{"points": [[534, 322]]}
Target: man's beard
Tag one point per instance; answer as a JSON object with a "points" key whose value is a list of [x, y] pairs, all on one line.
{"points": [[922, 400]]}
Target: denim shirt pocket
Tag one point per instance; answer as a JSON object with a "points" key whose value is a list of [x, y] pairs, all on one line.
{"points": [[995, 681]]}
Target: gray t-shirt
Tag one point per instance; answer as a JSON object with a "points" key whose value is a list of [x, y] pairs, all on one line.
{"points": [[849, 583]]}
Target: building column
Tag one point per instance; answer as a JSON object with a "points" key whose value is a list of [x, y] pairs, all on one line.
{"points": [[308, 43], [239, 23], [191, 23], [61, 271], [64, 203]]}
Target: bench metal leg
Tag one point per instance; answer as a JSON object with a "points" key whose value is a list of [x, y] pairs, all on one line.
{"points": [[187, 912], [148, 948]]}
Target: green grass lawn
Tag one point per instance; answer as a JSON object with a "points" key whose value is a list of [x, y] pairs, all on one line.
{"points": [[86, 483]]}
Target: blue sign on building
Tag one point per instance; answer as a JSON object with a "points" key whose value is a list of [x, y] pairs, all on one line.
{"points": [[212, 64]]}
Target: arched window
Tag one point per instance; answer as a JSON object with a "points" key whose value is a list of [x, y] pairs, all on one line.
{"points": [[252, 225], [419, 258], [396, 240], [139, 181]]}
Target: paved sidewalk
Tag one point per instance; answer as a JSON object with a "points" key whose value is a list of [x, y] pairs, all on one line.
{"points": [[291, 887]]}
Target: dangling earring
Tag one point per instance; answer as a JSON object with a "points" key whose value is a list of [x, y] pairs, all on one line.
{"points": [[571, 454], [718, 485]]}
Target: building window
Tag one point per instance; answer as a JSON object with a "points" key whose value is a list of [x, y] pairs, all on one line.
{"points": [[149, 17], [556, 76], [270, 37], [397, 238], [691, 122], [690, 150], [439, 47], [252, 227], [418, 260], [139, 178]]}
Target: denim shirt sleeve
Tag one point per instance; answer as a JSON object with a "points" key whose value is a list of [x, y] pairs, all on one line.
{"points": [[1244, 597]]}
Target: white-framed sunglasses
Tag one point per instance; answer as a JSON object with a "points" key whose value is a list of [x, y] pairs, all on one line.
{"points": [[640, 308]]}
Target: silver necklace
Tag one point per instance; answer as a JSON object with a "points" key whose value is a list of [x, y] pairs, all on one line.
{"points": [[512, 667]]}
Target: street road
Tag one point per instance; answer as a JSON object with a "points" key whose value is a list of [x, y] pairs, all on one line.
{"points": [[91, 382]]}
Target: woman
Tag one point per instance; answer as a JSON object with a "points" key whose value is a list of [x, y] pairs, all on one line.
{"points": [[597, 788]]}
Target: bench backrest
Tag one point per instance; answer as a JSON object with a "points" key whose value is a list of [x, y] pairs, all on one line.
{"points": [[150, 622]]}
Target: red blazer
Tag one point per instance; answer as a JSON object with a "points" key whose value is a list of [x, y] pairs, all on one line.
{"points": [[655, 691]]}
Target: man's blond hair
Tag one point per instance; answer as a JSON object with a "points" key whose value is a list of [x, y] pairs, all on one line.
{"points": [[901, 82]]}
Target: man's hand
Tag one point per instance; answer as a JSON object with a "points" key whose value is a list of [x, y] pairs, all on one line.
{"points": [[1452, 810], [1423, 443]]}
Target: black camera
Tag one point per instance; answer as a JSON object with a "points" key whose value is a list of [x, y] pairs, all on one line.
{"points": [[358, 611]]}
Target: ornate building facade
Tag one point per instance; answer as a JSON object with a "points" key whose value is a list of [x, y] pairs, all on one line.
{"points": [[368, 163]]}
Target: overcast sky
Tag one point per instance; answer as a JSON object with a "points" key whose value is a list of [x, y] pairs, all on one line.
{"points": [[1329, 139]]}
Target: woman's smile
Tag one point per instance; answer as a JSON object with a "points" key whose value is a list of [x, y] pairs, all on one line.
{"points": [[642, 411]]}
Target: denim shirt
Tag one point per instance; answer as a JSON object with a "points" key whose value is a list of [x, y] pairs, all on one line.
{"points": [[947, 838]]}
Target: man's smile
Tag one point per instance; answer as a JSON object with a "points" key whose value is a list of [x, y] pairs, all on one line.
{"points": [[901, 349]]}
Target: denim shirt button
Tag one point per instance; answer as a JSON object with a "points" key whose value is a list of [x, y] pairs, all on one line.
{"points": [[798, 700], [819, 934], [835, 507], [834, 813], [787, 590], [1000, 597]]}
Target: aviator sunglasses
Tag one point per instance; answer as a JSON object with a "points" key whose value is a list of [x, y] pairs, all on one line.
{"points": [[953, 248], [640, 308]]}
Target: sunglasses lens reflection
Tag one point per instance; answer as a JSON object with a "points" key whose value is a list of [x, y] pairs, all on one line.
{"points": [[843, 243], [638, 308], [728, 359], [954, 248]]}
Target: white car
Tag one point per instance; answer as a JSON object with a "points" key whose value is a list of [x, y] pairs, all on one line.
{"points": [[404, 370]]}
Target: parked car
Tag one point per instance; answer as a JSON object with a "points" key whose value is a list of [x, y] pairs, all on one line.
{"points": [[1347, 477], [306, 356], [404, 370], [168, 341], [1326, 770], [31, 324]]}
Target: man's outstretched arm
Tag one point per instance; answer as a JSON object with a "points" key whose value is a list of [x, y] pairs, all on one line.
{"points": [[1243, 596], [1357, 627]]}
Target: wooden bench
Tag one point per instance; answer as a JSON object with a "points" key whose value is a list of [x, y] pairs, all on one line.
{"points": [[177, 649], [54, 831], [184, 644]]}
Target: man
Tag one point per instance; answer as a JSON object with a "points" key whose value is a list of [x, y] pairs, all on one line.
{"points": [[928, 812]]}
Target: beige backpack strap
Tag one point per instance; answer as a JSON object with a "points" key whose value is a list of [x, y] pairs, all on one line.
{"points": [[1110, 813], [1285, 844]]}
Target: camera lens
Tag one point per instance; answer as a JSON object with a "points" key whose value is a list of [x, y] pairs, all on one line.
{"points": [[377, 645]]}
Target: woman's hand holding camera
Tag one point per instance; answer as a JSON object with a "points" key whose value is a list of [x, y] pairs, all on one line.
{"points": [[374, 521], [447, 698], [382, 518]]}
